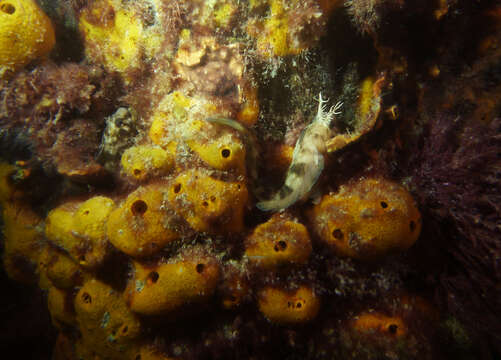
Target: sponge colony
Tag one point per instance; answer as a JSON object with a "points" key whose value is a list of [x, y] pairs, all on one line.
{"points": [[168, 287], [289, 307], [141, 226], [279, 241], [26, 34], [79, 229], [367, 219], [102, 314], [207, 204], [141, 162]]}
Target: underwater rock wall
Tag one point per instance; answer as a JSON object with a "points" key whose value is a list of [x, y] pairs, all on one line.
{"points": [[141, 140]]}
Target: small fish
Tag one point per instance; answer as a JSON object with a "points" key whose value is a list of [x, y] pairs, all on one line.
{"points": [[307, 160]]}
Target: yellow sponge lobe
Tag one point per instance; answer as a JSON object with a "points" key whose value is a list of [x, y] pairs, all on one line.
{"points": [[208, 204], [107, 327], [289, 307], [367, 219], [168, 287], [79, 229], [279, 241], [143, 161], [141, 226], [26, 34]]}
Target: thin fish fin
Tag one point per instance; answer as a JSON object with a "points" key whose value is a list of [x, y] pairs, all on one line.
{"points": [[276, 204]]}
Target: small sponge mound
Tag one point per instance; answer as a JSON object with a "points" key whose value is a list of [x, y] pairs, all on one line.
{"points": [[376, 322], [207, 204], [101, 313], [286, 307], [224, 152], [400, 324], [26, 34], [143, 161], [164, 288], [79, 228], [142, 226], [279, 241], [367, 219]]}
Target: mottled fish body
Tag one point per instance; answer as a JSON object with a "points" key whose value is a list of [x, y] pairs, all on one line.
{"points": [[307, 161]]}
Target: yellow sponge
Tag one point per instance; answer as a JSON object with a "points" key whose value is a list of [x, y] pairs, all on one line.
{"points": [[141, 226], [79, 228], [26, 34], [367, 219], [59, 269], [168, 287], [279, 241], [108, 328], [207, 204], [289, 307], [143, 161], [224, 152]]}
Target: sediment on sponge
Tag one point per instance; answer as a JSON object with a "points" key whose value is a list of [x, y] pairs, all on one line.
{"points": [[290, 27], [108, 328], [141, 162], [396, 324]]}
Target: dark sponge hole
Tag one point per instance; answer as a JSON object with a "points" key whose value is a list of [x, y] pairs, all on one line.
{"points": [[7, 8], [139, 207], [338, 234], [153, 277], [200, 268], [280, 246]]}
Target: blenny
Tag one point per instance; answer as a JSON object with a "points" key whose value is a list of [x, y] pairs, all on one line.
{"points": [[307, 160]]}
